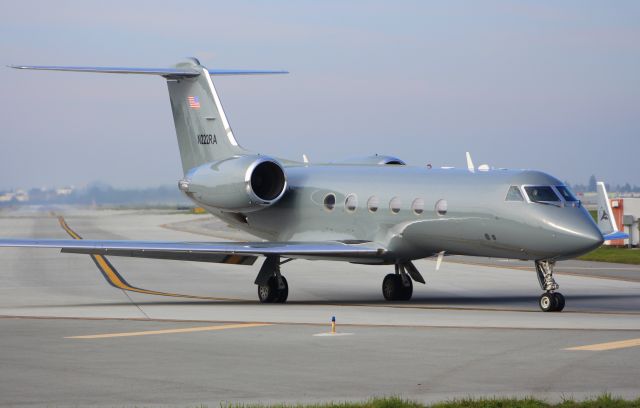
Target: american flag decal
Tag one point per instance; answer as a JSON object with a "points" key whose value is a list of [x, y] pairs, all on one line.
{"points": [[194, 102]]}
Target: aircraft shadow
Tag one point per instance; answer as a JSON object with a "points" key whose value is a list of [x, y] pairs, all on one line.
{"points": [[519, 303]]}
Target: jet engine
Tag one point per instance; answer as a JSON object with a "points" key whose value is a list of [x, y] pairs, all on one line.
{"points": [[238, 184]]}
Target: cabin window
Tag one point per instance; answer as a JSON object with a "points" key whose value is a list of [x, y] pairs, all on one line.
{"points": [[418, 206], [541, 194], [566, 193], [351, 203], [329, 202], [441, 207], [373, 204], [394, 205], [514, 194]]}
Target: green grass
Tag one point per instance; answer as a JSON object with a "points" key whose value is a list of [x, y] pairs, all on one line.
{"points": [[603, 401], [613, 254]]}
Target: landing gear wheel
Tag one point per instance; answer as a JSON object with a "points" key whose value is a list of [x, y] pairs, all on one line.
{"points": [[283, 293], [547, 302], [390, 287], [559, 301], [405, 291], [271, 293], [394, 289], [267, 293]]}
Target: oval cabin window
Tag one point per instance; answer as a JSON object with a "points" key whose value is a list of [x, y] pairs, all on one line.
{"points": [[394, 205], [351, 203], [441, 207], [418, 206], [329, 202], [373, 203]]}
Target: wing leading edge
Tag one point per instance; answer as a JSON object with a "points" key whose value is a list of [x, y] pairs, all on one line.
{"points": [[209, 251]]}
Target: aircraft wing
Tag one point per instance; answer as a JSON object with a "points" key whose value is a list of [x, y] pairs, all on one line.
{"points": [[221, 252]]}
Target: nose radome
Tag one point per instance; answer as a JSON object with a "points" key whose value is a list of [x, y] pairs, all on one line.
{"points": [[585, 237], [574, 231], [592, 238]]}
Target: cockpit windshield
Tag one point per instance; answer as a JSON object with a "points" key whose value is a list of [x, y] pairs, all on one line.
{"points": [[541, 194], [566, 193]]}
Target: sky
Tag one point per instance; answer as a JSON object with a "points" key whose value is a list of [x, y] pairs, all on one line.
{"points": [[545, 85]]}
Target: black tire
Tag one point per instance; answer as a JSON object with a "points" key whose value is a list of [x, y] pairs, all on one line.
{"points": [[559, 301], [268, 293], [391, 287], [283, 293], [405, 291], [547, 302]]}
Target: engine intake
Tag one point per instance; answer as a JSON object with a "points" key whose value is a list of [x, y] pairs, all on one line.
{"points": [[238, 184]]}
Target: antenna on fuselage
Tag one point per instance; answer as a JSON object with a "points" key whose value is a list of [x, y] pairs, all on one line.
{"points": [[439, 259], [470, 165]]}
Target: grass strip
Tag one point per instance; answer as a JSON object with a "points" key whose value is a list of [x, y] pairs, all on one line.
{"points": [[602, 401], [613, 254]]}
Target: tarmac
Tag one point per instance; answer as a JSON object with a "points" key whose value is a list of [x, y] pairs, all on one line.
{"points": [[67, 338]]}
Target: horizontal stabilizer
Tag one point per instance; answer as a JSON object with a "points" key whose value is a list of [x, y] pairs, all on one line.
{"points": [[165, 72], [245, 72], [616, 235]]}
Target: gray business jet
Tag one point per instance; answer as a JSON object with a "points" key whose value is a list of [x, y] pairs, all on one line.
{"points": [[372, 210]]}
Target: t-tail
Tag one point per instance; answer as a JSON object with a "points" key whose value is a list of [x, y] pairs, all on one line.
{"points": [[606, 219], [203, 131]]}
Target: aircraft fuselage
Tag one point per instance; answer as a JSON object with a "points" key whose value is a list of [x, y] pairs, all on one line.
{"points": [[396, 206]]}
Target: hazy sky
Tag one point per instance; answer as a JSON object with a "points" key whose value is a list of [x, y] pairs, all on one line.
{"points": [[542, 84]]}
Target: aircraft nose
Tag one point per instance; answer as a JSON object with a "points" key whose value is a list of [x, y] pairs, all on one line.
{"points": [[578, 235], [590, 238]]}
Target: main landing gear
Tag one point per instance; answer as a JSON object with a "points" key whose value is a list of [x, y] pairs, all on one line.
{"points": [[272, 286], [550, 301], [399, 286]]}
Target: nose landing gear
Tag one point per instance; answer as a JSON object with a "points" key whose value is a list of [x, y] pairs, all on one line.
{"points": [[550, 301]]}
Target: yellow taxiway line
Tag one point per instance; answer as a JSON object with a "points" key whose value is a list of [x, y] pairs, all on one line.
{"points": [[114, 278], [612, 345], [171, 331]]}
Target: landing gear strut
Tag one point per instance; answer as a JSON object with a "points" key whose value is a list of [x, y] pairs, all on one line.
{"points": [[550, 301], [399, 286], [272, 286]]}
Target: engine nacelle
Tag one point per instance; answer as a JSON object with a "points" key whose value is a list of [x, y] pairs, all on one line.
{"points": [[238, 184], [376, 159]]}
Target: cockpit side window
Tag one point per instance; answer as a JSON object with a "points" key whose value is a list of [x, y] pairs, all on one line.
{"points": [[514, 194], [566, 193], [541, 194]]}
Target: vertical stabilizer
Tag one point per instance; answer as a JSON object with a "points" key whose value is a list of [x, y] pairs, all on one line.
{"points": [[203, 131], [606, 220]]}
